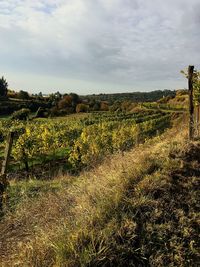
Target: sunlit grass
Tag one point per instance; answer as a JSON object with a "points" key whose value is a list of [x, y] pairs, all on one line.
{"points": [[110, 216]]}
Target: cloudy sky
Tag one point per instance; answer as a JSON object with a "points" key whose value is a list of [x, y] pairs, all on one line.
{"points": [[98, 46]]}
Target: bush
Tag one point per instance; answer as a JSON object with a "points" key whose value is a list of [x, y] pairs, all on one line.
{"points": [[42, 113], [23, 95], [104, 106], [66, 102], [82, 108], [22, 114], [55, 111]]}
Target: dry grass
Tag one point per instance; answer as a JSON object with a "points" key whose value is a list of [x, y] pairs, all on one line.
{"points": [[110, 216]]}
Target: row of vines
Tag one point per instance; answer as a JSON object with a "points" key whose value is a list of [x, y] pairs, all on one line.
{"points": [[80, 141]]}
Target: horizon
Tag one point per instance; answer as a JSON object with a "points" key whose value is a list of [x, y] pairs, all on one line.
{"points": [[106, 46], [97, 94]]}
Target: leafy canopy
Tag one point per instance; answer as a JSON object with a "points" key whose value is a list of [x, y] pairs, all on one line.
{"points": [[196, 84], [3, 87]]}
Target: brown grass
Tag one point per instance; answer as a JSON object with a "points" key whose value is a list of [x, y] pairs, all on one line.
{"points": [[118, 214]]}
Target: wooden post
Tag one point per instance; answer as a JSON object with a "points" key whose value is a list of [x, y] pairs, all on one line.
{"points": [[191, 104], [197, 119], [7, 153], [3, 179]]}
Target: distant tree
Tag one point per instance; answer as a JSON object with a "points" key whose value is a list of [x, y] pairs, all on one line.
{"points": [[65, 102], [3, 87], [55, 98], [75, 98], [52, 98], [58, 95], [40, 95], [104, 106], [12, 94], [82, 108], [91, 102], [96, 106], [23, 95]]}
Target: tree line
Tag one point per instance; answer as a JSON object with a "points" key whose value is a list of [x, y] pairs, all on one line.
{"points": [[57, 104]]}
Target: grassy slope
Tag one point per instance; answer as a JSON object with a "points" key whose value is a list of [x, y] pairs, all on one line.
{"points": [[136, 209]]}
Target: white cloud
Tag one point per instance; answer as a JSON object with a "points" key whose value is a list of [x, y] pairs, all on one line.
{"points": [[124, 43]]}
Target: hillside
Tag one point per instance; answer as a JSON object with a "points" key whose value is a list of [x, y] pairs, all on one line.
{"points": [[180, 99], [138, 208], [60, 105], [132, 96], [171, 103]]}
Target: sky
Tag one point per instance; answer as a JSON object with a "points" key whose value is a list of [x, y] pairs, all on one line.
{"points": [[98, 46]]}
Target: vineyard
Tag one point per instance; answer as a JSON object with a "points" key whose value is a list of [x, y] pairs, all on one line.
{"points": [[99, 133], [76, 190], [78, 141]]}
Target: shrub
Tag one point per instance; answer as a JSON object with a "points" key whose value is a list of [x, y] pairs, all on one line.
{"points": [[65, 102], [82, 108], [23, 95], [22, 114], [60, 112], [42, 113], [104, 106]]}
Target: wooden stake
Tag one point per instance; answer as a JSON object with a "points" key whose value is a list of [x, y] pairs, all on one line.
{"points": [[191, 104], [197, 119], [7, 153], [3, 178]]}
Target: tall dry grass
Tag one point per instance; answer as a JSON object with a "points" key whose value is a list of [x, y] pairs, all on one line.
{"points": [[94, 219]]}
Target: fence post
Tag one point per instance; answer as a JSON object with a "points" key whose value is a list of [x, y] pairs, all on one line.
{"points": [[3, 178], [191, 104], [198, 118]]}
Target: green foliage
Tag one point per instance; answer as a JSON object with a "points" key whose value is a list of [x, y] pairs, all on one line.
{"points": [[134, 97], [137, 209], [55, 98], [3, 87], [42, 113], [82, 108], [75, 99], [8, 106], [98, 140], [33, 188], [23, 95], [67, 104], [22, 114], [196, 84], [82, 141]]}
